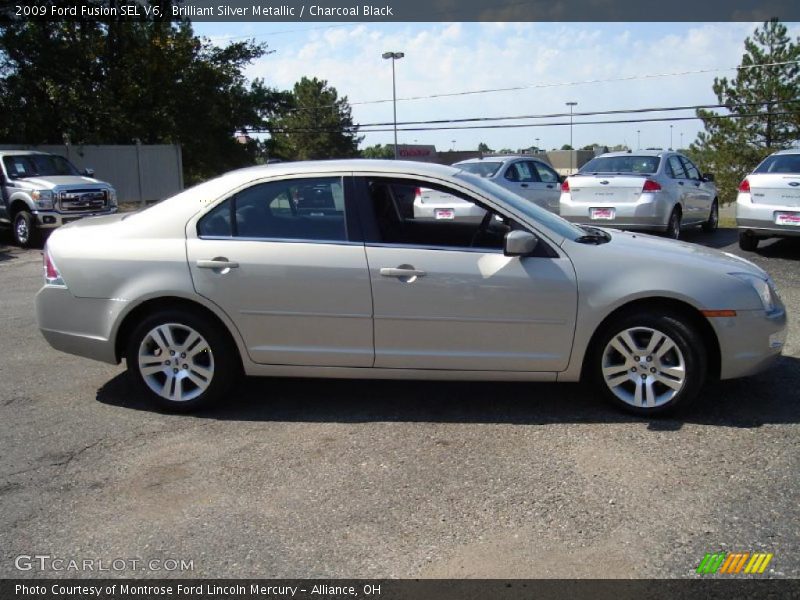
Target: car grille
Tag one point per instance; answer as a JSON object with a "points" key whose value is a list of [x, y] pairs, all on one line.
{"points": [[83, 200]]}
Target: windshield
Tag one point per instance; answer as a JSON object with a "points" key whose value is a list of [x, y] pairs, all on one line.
{"points": [[553, 222], [621, 164], [780, 163], [482, 169], [37, 165]]}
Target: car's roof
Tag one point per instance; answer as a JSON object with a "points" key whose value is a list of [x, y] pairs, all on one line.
{"points": [[637, 153], [498, 158], [787, 151], [18, 152], [350, 164]]}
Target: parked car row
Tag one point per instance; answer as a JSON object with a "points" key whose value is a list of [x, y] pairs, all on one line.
{"points": [[338, 269]]}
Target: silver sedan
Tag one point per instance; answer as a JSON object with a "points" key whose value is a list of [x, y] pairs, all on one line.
{"points": [[315, 270], [768, 202], [648, 190]]}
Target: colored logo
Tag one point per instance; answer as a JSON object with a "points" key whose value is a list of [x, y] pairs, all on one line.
{"points": [[733, 563]]}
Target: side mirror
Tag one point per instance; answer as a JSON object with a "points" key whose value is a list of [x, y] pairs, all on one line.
{"points": [[520, 243], [708, 177], [88, 172]]}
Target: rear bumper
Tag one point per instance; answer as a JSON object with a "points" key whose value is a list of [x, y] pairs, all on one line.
{"points": [[749, 342], [650, 212], [50, 219], [760, 218], [80, 326]]}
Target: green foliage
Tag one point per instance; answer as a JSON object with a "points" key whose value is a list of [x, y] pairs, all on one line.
{"points": [[378, 151], [567, 147], [484, 148], [731, 147], [316, 124], [118, 81]]}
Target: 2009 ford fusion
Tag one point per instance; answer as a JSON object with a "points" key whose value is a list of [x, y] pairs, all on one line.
{"points": [[321, 269]]}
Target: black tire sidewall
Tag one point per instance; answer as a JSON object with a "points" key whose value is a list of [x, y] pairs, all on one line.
{"points": [[713, 223], [748, 242], [226, 366], [673, 224], [683, 334]]}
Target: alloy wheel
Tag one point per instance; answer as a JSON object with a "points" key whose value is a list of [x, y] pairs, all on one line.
{"points": [[21, 230]]}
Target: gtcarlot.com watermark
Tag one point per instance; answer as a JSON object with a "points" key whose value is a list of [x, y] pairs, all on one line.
{"points": [[50, 563]]}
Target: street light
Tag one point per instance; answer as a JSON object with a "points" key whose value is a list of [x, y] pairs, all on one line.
{"points": [[453, 149], [638, 139], [571, 160], [681, 140], [670, 137], [537, 145], [394, 56]]}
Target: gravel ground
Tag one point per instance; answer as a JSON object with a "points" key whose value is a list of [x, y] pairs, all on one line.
{"points": [[316, 478]]}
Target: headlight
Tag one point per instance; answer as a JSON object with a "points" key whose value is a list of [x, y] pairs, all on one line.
{"points": [[43, 199], [763, 287], [112, 197]]}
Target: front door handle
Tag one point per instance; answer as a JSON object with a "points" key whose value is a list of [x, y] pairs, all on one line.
{"points": [[403, 272], [523, 185], [217, 263], [550, 186]]}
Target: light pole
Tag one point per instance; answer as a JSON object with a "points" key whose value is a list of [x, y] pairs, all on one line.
{"points": [[453, 149], [394, 56], [537, 145], [681, 140], [572, 150], [670, 137], [638, 139]]}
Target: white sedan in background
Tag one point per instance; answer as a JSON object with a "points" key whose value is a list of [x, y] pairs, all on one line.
{"points": [[768, 203]]}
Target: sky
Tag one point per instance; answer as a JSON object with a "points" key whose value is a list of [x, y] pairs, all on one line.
{"points": [[601, 66]]}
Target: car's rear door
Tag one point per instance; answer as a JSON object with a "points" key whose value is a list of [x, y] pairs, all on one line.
{"points": [[681, 188], [445, 296], [284, 259]]}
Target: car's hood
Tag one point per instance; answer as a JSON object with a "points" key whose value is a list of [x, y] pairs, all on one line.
{"points": [[61, 181], [640, 248]]}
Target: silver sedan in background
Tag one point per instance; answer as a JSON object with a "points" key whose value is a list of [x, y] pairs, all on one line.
{"points": [[768, 202], [315, 270], [646, 190]]}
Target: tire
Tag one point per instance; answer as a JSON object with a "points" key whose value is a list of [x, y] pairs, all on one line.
{"points": [[712, 223], [23, 228], [674, 225], [663, 373], [158, 347], [747, 241]]}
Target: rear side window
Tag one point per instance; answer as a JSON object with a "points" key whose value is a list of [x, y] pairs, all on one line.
{"points": [[622, 164], [676, 168], [294, 209], [780, 163], [691, 170]]}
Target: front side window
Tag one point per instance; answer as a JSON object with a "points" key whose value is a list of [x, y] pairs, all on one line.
{"points": [[546, 174], [449, 219], [294, 209]]}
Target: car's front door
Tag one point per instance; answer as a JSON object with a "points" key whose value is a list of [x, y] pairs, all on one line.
{"points": [[282, 260], [702, 192], [445, 296]]}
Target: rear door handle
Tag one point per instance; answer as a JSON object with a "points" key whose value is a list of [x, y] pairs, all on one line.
{"points": [[217, 263], [550, 186], [680, 183], [401, 272], [523, 185]]}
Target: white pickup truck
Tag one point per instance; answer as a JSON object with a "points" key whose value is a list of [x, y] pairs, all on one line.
{"points": [[43, 191]]}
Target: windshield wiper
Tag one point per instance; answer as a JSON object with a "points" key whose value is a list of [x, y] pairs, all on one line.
{"points": [[593, 236]]}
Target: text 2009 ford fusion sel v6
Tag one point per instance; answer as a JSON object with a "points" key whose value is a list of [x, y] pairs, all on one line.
{"points": [[322, 269]]}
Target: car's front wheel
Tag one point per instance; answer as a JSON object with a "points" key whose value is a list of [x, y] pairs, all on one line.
{"points": [[182, 360], [649, 363], [24, 229], [711, 224]]}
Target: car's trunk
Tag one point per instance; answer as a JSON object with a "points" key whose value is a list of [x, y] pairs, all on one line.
{"points": [[775, 189], [601, 189]]}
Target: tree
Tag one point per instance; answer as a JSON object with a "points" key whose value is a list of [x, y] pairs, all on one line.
{"points": [[567, 147], [378, 151], [484, 149], [762, 111], [317, 124], [117, 81]]}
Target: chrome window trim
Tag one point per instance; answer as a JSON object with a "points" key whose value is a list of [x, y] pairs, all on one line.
{"points": [[278, 240], [439, 248]]}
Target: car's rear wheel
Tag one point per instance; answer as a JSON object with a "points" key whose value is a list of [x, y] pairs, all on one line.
{"points": [[748, 241], [650, 363], [713, 219], [24, 229], [674, 224], [182, 360]]}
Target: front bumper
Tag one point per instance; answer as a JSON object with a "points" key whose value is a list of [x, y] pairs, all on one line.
{"points": [[760, 218], [749, 342], [50, 219], [80, 326], [650, 212]]}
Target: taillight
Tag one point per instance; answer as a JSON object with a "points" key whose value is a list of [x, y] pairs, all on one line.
{"points": [[51, 274], [651, 186], [744, 186], [565, 186]]}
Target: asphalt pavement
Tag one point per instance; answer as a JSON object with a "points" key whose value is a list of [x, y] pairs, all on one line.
{"points": [[335, 478]]}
